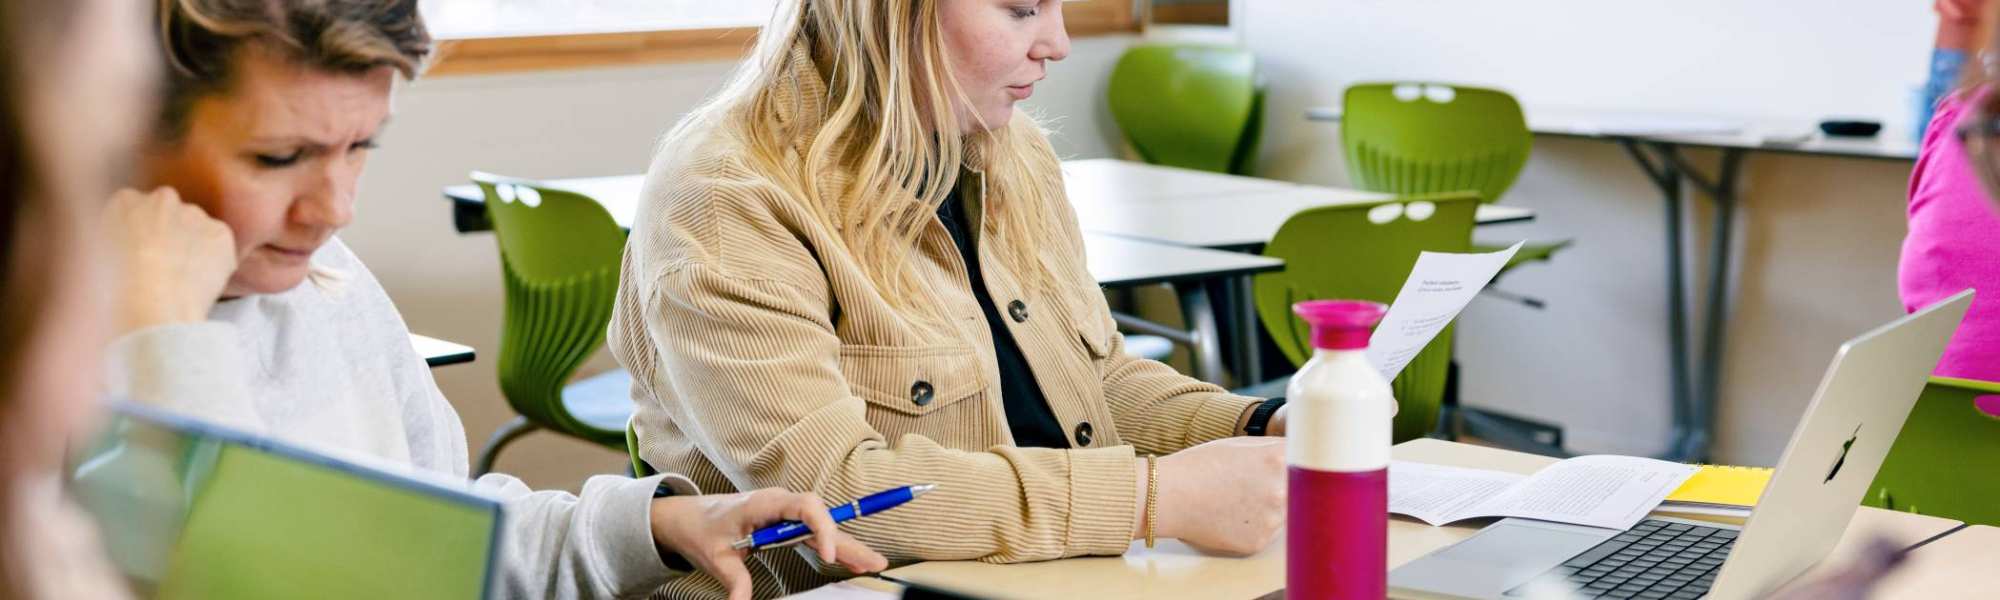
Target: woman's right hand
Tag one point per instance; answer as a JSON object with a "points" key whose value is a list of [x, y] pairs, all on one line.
{"points": [[173, 260], [1226, 496], [701, 529]]}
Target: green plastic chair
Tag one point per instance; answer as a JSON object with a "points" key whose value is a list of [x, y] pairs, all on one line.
{"points": [[559, 256], [1946, 462], [1190, 106], [1427, 138], [639, 466], [1341, 252]]}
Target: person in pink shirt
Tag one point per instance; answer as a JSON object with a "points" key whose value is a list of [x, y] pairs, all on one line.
{"points": [[1954, 225], [1954, 237]]}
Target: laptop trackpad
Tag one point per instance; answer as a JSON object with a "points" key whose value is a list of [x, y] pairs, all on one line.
{"points": [[1503, 555]]}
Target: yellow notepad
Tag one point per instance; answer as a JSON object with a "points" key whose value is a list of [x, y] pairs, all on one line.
{"points": [[1724, 486]]}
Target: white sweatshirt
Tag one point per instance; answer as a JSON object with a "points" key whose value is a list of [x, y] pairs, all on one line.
{"points": [[328, 365]]}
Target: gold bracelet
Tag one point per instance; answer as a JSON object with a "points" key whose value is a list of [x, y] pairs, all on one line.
{"points": [[1152, 496]]}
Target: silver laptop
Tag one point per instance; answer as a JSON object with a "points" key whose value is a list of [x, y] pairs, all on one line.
{"points": [[1826, 468]]}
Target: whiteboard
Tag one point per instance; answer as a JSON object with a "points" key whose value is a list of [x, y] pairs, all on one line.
{"points": [[1794, 59]]}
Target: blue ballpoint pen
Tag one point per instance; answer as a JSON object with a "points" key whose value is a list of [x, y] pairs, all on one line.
{"points": [[786, 533]]}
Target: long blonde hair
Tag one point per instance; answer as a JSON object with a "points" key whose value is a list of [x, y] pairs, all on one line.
{"points": [[890, 93]]}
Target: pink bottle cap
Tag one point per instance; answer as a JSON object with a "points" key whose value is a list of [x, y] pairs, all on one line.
{"points": [[1341, 324]]}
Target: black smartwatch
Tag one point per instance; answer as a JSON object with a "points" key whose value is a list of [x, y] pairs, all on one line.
{"points": [[1260, 419]]}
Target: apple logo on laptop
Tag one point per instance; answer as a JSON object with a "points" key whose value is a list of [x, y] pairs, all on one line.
{"points": [[1842, 460]]}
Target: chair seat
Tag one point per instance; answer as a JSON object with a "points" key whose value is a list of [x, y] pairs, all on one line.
{"points": [[602, 401], [1530, 252], [1150, 347]]}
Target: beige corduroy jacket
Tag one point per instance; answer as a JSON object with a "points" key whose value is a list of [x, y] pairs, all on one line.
{"points": [[762, 356]]}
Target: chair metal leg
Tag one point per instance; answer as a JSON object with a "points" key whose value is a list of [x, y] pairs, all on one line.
{"points": [[1200, 314], [501, 437]]}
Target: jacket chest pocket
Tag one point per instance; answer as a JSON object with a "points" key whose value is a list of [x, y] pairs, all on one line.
{"points": [[912, 381], [1091, 322]]}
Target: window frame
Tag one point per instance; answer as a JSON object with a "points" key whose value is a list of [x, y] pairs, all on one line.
{"points": [[524, 53]]}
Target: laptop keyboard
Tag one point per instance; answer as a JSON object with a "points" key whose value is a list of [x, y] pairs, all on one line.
{"points": [[1654, 560]]}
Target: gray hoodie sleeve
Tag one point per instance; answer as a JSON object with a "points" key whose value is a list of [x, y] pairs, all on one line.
{"points": [[194, 369], [595, 545]]}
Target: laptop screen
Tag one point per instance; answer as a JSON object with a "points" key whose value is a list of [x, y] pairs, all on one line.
{"points": [[190, 510]]}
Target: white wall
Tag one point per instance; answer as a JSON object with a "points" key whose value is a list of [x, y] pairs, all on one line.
{"points": [[565, 124], [1818, 237]]}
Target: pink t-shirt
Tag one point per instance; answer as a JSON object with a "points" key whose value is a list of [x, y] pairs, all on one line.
{"points": [[1954, 243]]}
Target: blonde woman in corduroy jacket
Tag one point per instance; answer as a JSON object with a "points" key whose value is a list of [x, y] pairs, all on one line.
{"points": [[855, 268]]}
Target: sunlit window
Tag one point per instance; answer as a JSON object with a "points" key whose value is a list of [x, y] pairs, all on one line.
{"points": [[461, 19]]}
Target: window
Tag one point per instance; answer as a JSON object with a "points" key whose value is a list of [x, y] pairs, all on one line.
{"points": [[1190, 12], [489, 36], [462, 19]]}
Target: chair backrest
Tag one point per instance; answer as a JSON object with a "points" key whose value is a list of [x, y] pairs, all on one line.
{"points": [[639, 466], [1946, 462], [1189, 105], [1427, 138], [559, 256], [1365, 252]]}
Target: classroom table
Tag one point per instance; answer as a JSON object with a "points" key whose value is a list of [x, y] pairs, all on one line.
{"points": [[1172, 570], [1210, 210], [1654, 141], [1943, 568], [1164, 204], [1207, 210], [1193, 273], [438, 353]]}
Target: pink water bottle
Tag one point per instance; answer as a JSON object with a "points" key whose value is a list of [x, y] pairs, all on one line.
{"points": [[1337, 456]]}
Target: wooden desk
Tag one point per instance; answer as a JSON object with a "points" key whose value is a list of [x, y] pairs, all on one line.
{"points": [[438, 353], [1174, 571], [1959, 565]]}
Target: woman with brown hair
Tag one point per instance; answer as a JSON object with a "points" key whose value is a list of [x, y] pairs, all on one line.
{"points": [[75, 79], [855, 268], [271, 108]]}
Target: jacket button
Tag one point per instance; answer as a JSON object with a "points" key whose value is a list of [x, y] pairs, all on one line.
{"points": [[921, 393], [1083, 432], [1018, 310]]}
